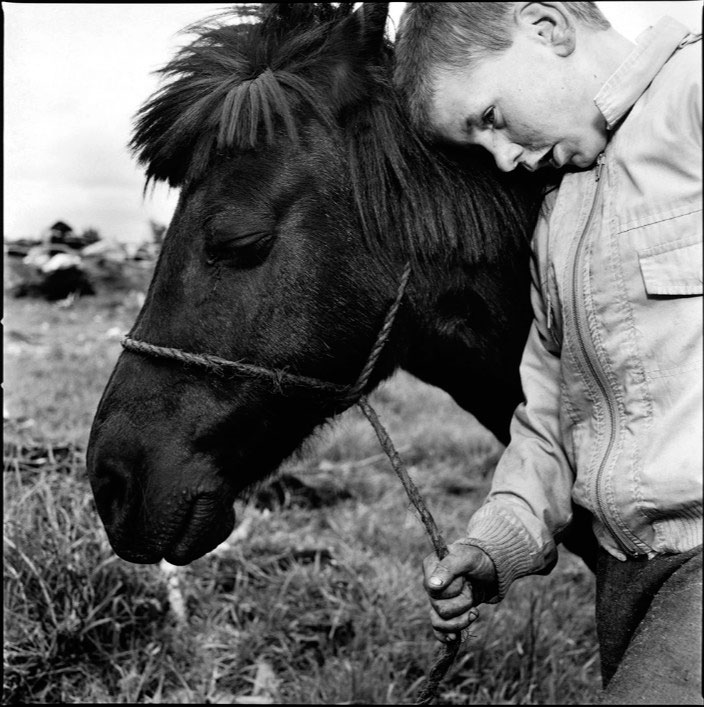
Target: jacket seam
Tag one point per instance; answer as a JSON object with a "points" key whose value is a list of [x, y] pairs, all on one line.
{"points": [[669, 246], [635, 361], [589, 386], [634, 224], [672, 372], [604, 361], [570, 408]]}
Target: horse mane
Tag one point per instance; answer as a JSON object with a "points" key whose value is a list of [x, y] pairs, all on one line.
{"points": [[236, 84]]}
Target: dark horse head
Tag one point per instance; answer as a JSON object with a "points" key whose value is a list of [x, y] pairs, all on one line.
{"points": [[303, 194]]}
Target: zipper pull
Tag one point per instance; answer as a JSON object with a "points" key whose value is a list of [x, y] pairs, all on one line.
{"points": [[549, 307], [599, 165]]}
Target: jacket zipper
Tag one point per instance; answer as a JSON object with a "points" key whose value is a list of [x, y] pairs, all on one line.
{"points": [[590, 359]]}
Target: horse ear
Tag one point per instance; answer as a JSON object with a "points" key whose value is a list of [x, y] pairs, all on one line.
{"points": [[293, 16], [366, 25], [372, 20], [288, 17], [362, 33]]}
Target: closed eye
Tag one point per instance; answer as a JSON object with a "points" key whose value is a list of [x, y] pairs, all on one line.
{"points": [[243, 247], [244, 239]]}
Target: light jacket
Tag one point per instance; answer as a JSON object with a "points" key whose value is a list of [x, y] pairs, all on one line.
{"points": [[612, 370]]}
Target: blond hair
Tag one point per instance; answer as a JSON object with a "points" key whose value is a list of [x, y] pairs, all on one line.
{"points": [[456, 35]]}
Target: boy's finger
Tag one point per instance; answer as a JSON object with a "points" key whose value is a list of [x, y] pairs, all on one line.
{"points": [[448, 608], [442, 628]]}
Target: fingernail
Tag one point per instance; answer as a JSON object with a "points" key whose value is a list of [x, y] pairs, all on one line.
{"points": [[435, 582]]}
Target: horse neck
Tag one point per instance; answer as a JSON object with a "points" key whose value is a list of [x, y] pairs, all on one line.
{"points": [[472, 355]]}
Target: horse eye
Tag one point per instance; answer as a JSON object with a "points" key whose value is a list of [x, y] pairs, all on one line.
{"points": [[243, 240], [244, 249]]}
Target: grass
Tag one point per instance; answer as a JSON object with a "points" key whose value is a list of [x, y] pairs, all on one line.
{"points": [[320, 605]]}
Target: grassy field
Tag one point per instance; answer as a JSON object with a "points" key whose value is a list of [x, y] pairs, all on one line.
{"points": [[314, 599]]}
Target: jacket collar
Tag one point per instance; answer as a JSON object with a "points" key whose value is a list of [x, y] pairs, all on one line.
{"points": [[626, 85]]}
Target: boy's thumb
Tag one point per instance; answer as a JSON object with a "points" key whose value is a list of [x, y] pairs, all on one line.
{"points": [[443, 574], [453, 565], [439, 578]]}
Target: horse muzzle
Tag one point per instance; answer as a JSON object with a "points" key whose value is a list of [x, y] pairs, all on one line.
{"points": [[146, 523]]}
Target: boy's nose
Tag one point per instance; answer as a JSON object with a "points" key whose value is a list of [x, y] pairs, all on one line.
{"points": [[507, 155]]}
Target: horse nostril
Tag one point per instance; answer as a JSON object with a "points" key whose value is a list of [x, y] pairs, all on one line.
{"points": [[111, 486]]}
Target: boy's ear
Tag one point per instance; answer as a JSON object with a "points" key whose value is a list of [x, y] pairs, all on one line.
{"points": [[550, 23]]}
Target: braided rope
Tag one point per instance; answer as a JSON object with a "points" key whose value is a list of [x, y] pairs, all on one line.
{"points": [[446, 653], [279, 376], [355, 390], [350, 394]]}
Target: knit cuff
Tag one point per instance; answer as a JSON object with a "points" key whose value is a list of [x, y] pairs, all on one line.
{"points": [[507, 543]]}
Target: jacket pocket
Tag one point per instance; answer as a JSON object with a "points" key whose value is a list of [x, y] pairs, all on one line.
{"points": [[665, 295], [672, 268]]}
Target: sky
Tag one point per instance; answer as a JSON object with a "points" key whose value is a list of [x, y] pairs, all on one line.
{"points": [[74, 76]]}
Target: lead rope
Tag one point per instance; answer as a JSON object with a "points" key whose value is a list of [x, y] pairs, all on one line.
{"points": [[447, 652], [445, 655]]}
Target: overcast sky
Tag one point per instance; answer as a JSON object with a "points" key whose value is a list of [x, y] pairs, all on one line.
{"points": [[75, 74]]}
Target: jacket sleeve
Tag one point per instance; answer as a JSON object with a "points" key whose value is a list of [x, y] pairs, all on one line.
{"points": [[530, 498]]}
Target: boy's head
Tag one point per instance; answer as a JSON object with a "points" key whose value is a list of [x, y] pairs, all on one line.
{"points": [[518, 79]]}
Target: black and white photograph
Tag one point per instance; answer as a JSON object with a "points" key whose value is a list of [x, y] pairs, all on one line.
{"points": [[353, 353]]}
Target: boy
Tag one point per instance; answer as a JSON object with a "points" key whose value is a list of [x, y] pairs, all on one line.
{"points": [[612, 367]]}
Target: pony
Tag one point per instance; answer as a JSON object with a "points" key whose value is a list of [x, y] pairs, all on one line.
{"points": [[308, 209]]}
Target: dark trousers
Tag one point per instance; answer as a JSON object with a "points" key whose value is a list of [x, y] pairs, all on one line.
{"points": [[649, 624]]}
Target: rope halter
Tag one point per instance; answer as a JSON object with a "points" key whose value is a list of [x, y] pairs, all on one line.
{"points": [[281, 377]]}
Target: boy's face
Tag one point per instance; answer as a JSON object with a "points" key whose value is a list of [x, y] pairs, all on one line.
{"points": [[525, 105]]}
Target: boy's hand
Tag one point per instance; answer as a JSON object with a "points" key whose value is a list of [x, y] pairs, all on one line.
{"points": [[450, 583]]}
